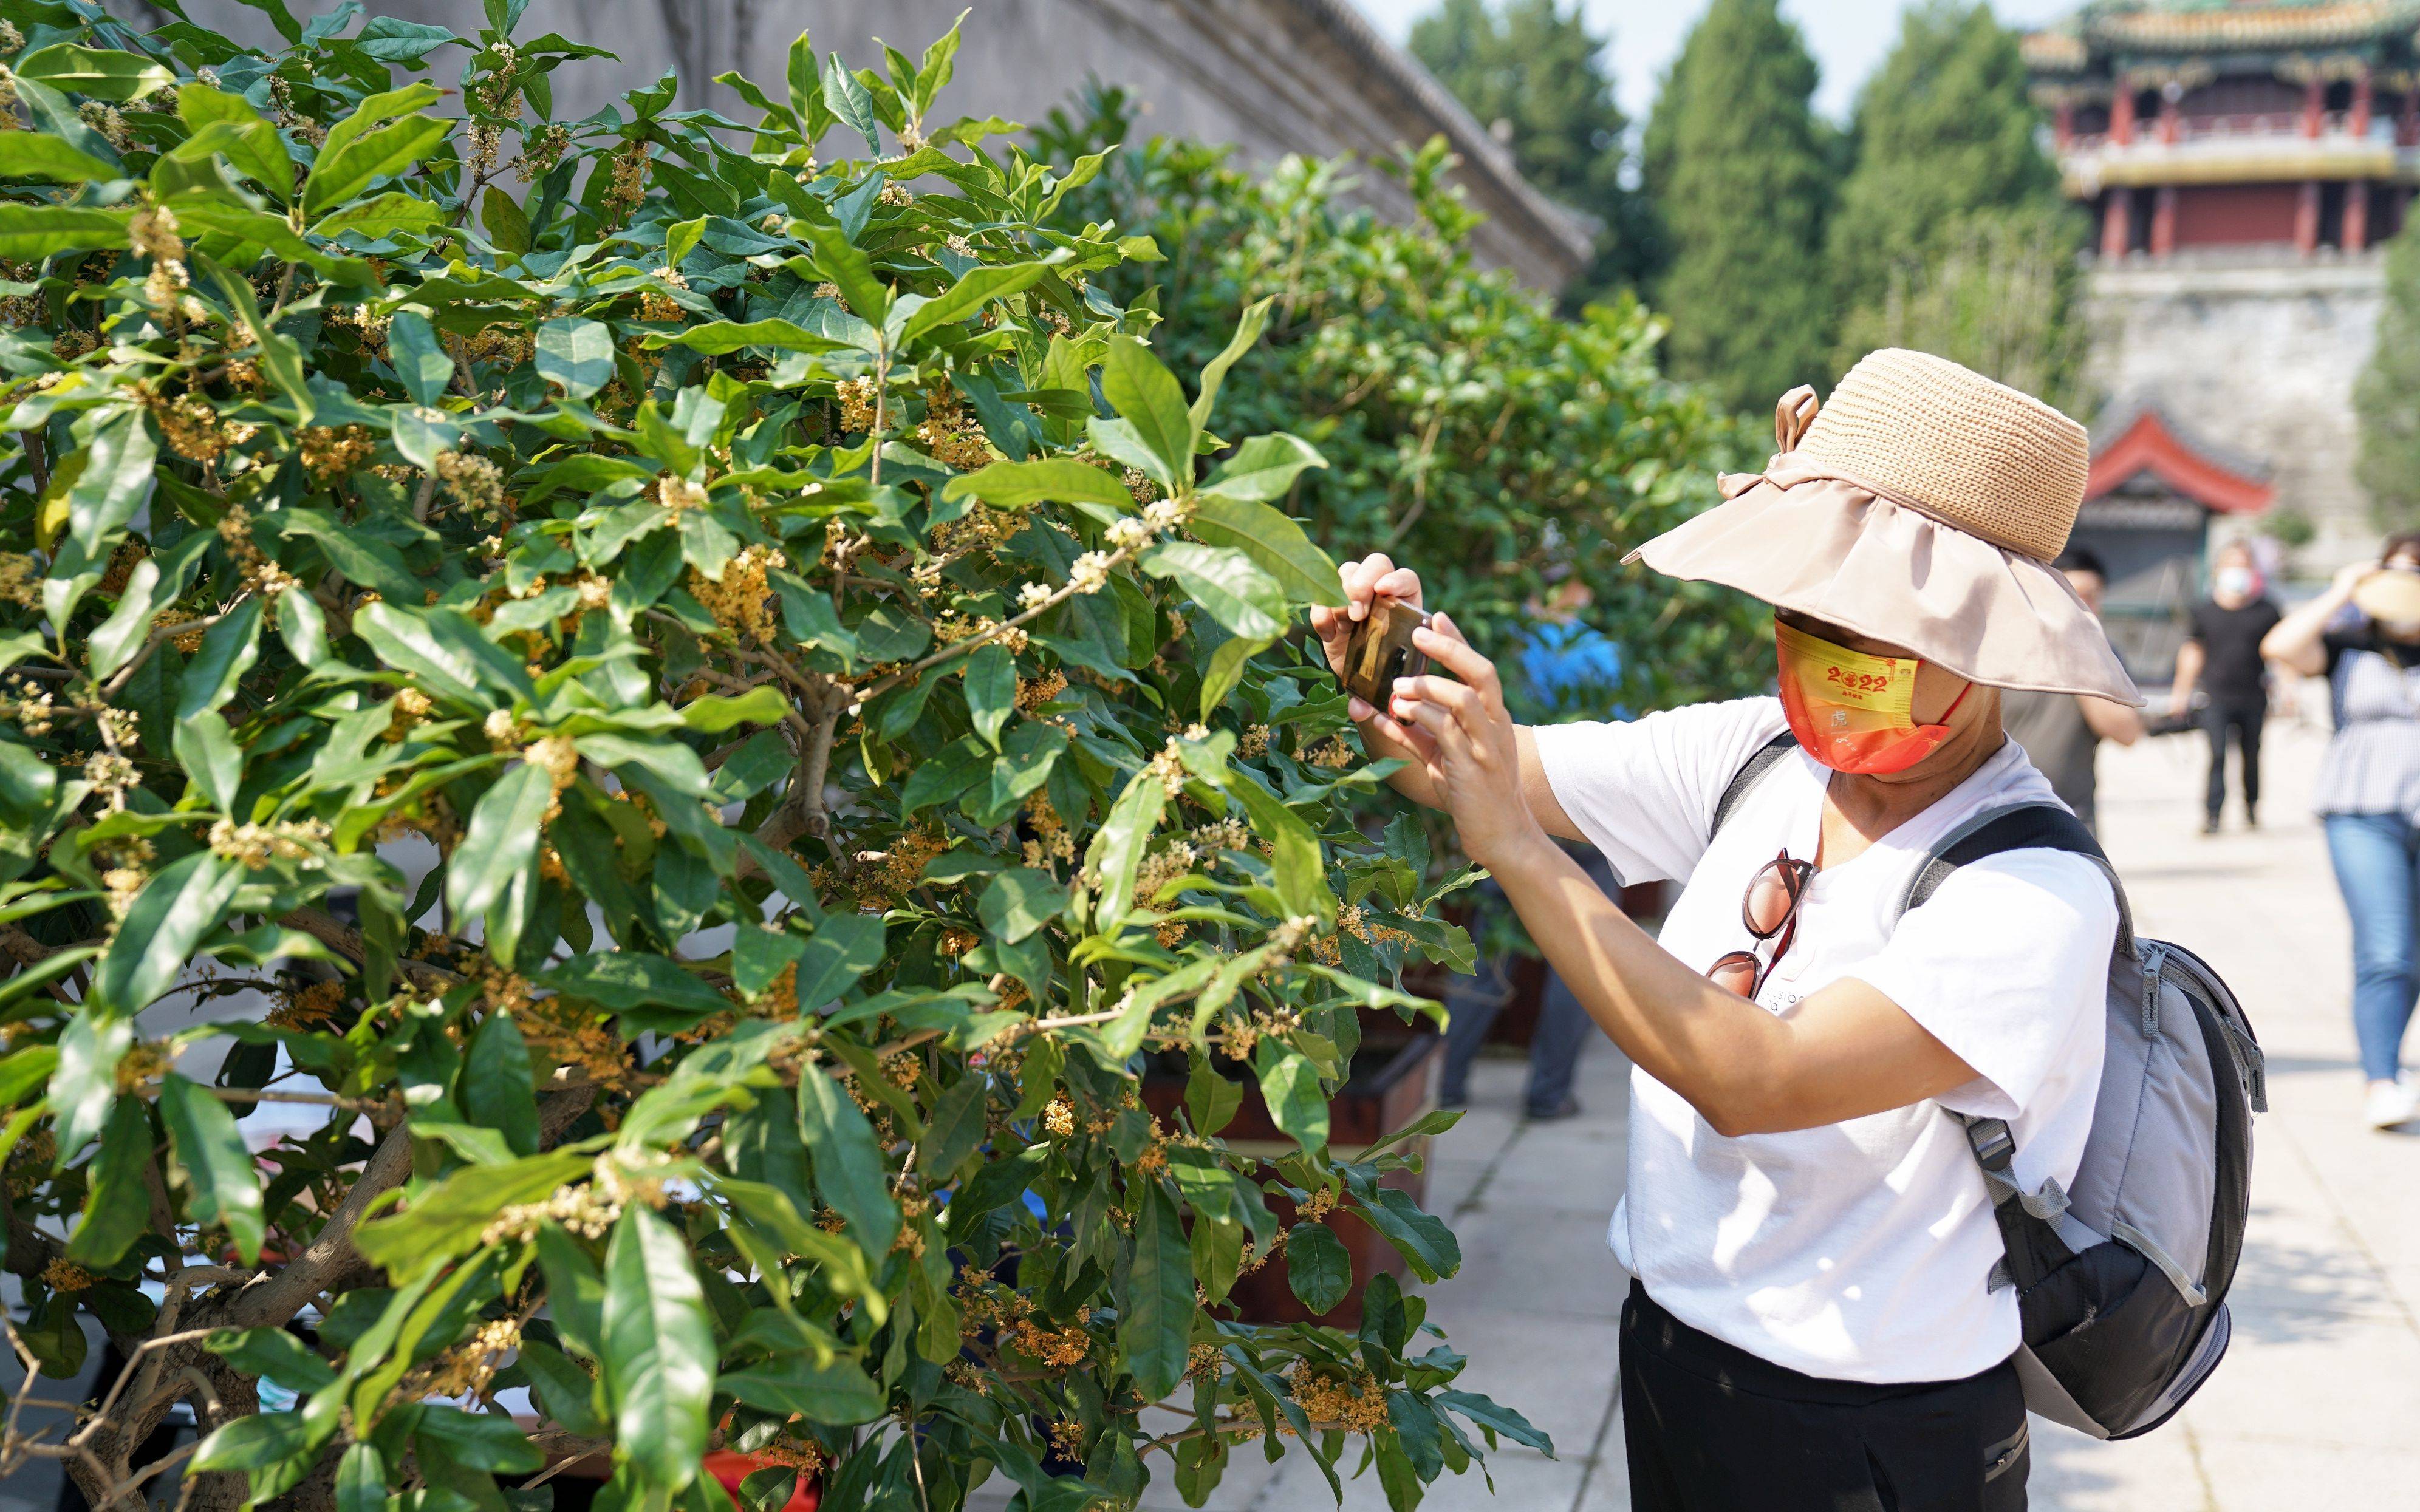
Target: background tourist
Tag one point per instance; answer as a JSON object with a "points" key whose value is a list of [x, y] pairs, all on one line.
{"points": [[2368, 794], [2062, 731], [2222, 656]]}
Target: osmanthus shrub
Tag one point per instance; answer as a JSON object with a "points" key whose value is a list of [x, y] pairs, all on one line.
{"points": [[683, 712]]}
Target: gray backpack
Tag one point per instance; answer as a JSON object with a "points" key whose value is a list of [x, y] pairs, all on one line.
{"points": [[2122, 1282]]}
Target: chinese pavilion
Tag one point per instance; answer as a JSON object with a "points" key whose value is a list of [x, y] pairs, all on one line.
{"points": [[2242, 160]]}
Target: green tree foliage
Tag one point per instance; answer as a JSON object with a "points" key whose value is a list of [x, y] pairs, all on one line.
{"points": [[698, 705], [2387, 400], [1953, 203], [1742, 176], [1538, 70], [1469, 430]]}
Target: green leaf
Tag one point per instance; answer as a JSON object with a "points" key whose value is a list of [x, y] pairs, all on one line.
{"points": [[227, 124], [360, 1477], [716, 337], [100, 75], [219, 1171], [85, 1088], [161, 933], [487, 1442], [418, 356], [1495, 1417], [34, 155], [497, 1083], [117, 1209], [1276, 543], [1420, 1238], [658, 1343], [1224, 581], [229, 650], [575, 354], [974, 290], [501, 840], [1045, 480], [117, 478], [30, 233], [1016, 903], [206, 746], [849, 1167], [844, 949], [1318, 1269], [447, 1220], [1117, 845], [991, 690], [1265, 467], [1156, 1316], [1254, 319], [849, 270], [343, 171], [1290, 1086], [28, 785], [381, 216], [563, 1390], [623, 981], [261, 1441], [272, 1352], [956, 1129], [847, 99], [713, 713], [1301, 872], [1146, 397], [1226, 669], [760, 955], [507, 225], [444, 651], [839, 1394]]}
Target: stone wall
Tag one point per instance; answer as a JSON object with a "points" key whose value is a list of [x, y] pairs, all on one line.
{"points": [[1269, 76], [2260, 353]]}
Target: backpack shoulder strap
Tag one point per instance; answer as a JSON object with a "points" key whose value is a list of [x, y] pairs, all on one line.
{"points": [[1749, 774], [2023, 827]]}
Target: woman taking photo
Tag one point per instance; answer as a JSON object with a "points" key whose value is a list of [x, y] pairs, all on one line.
{"points": [[2369, 794], [1813, 1323]]}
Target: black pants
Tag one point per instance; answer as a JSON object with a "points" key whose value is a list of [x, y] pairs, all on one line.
{"points": [[2242, 717], [1713, 1428]]}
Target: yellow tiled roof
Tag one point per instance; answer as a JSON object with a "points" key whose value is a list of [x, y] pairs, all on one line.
{"points": [[2196, 25]]}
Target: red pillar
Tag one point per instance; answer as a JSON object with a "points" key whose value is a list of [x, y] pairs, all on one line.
{"points": [[2362, 98], [2164, 221], [2407, 119], [2115, 230], [2314, 97], [2063, 125], [2121, 116], [2356, 226], [2172, 113], [2306, 219]]}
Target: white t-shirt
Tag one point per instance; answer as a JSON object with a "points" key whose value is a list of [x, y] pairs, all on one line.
{"points": [[1859, 1251]]}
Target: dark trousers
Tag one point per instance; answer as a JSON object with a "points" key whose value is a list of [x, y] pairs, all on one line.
{"points": [[2242, 717], [1563, 1027], [1710, 1427]]}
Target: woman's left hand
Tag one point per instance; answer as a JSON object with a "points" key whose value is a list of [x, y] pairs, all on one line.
{"points": [[1469, 745]]}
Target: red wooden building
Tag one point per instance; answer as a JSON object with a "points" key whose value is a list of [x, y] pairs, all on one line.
{"points": [[2191, 124]]}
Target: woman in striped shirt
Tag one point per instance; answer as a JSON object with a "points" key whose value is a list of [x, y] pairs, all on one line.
{"points": [[2368, 794]]}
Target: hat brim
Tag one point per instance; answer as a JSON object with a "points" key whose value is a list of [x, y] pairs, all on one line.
{"points": [[2390, 593], [1830, 548]]}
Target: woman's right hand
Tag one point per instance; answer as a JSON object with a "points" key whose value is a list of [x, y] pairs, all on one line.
{"points": [[1373, 576]]}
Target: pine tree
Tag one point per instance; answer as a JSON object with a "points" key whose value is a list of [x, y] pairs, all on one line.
{"points": [[2387, 400], [1948, 165], [1534, 74], [1741, 173]]}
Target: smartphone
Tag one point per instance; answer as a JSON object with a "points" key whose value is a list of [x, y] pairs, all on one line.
{"points": [[1381, 650]]}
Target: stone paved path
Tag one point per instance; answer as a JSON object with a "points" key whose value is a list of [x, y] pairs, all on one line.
{"points": [[2317, 1405]]}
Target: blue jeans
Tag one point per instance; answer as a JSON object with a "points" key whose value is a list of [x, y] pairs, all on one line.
{"points": [[2376, 858]]}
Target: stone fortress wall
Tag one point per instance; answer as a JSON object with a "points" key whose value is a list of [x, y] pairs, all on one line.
{"points": [[1269, 76], [2258, 349]]}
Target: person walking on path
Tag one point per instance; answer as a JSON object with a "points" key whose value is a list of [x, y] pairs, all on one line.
{"points": [[2062, 733], [1812, 1322], [2221, 656], [2369, 794]]}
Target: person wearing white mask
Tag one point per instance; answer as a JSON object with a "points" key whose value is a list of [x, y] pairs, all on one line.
{"points": [[2369, 794], [2222, 657]]}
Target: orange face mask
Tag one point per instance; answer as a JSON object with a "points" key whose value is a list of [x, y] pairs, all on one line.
{"points": [[1851, 711]]}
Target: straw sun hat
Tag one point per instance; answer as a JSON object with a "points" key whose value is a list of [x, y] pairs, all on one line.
{"points": [[1922, 506], [2391, 594]]}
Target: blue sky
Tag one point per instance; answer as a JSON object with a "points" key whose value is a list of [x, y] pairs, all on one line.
{"points": [[1848, 38]]}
